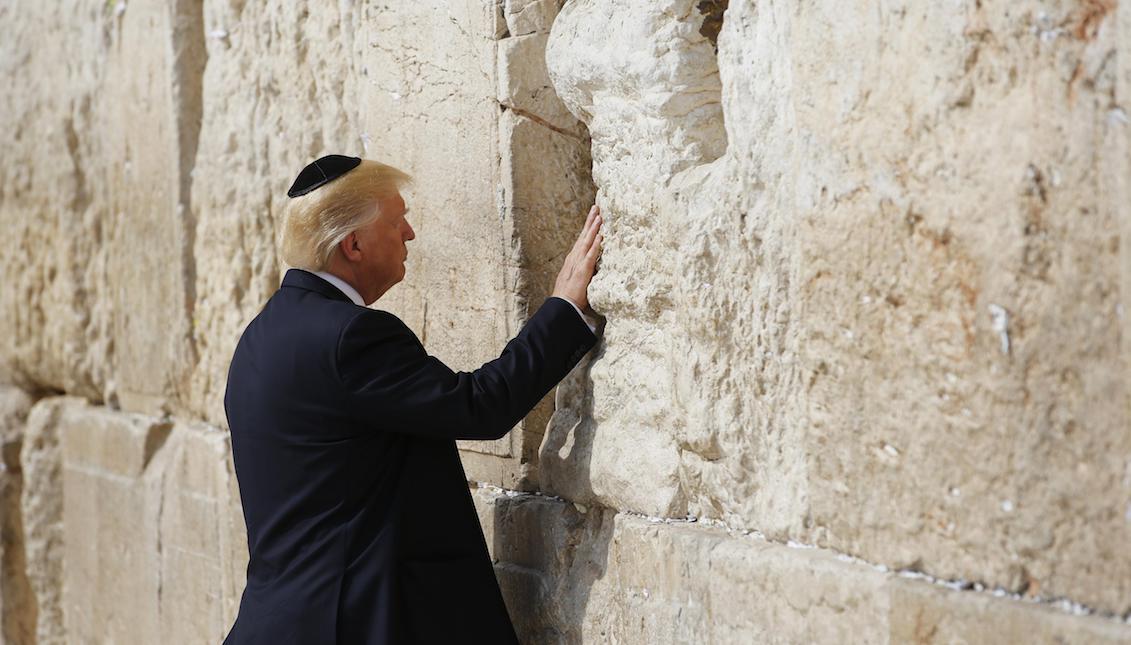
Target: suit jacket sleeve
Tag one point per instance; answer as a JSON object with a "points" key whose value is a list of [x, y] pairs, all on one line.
{"points": [[391, 383]]}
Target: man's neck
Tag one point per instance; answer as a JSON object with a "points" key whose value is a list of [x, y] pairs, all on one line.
{"points": [[342, 285]]}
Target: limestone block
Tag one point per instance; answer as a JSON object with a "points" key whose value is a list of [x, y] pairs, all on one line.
{"points": [[571, 574], [96, 205], [459, 295], [960, 291], [530, 16], [148, 514], [282, 88], [203, 545], [112, 500], [882, 299], [17, 602], [921, 613], [524, 86], [45, 210], [547, 554]]}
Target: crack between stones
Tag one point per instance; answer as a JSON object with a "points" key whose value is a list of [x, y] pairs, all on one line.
{"points": [[160, 543], [1060, 603], [539, 120], [189, 57]]}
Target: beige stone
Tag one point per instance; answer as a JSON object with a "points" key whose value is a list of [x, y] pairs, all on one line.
{"points": [[96, 206], [530, 16], [150, 512], [883, 306], [203, 546], [572, 575], [863, 278], [112, 500]]}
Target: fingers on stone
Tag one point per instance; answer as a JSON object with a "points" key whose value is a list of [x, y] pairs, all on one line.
{"points": [[594, 249]]}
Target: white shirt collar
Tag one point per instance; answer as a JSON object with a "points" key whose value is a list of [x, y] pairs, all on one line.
{"points": [[342, 286]]}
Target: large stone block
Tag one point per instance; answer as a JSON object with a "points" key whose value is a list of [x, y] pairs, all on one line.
{"points": [[112, 500], [101, 140], [886, 319], [150, 512], [571, 574], [203, 546]]}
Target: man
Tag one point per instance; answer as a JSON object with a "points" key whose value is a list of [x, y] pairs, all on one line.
{"points": [[360, 524]]}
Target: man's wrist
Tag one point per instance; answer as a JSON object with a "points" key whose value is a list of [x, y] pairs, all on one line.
{"points": [[590, 321]]}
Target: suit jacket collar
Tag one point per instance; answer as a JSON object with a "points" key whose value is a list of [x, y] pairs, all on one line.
{"points": [[307, 280]]}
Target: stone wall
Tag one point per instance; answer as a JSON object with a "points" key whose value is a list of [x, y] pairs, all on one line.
{"points": [[862, 376]]}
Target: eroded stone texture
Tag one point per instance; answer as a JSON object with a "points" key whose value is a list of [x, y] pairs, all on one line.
{"points": [[17, 602], [863, 280], [575, 575], [94, 200], [617, 65], [886, 320]]}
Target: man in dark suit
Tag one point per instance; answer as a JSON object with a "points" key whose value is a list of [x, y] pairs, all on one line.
{"points": [[360, 523]]}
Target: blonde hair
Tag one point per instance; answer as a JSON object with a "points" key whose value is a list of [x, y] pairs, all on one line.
{"points": [[316, 222]]}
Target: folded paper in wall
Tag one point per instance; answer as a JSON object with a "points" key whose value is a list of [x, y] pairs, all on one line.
{"points": [[321, 171]]}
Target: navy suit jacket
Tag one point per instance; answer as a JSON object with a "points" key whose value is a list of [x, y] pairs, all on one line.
{"points": [[360, 523]]}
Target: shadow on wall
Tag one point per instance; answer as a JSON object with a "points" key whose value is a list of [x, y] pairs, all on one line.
{"points": [[549, 553]]}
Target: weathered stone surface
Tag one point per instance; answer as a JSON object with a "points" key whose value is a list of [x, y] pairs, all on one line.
{"points": [[17, 602], [203, 545], [94, 197], [151, 513], [619, 66], [571, 575], [112, 499], [847, 215], [530, 16], [282, 88], [863, 276]]}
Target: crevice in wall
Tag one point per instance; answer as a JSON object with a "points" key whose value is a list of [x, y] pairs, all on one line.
{"points": [[155, 438], [17, 624], [712, 11], [189, 58]]}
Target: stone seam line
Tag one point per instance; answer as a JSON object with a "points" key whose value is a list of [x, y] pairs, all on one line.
{"points": [[1065, 605]]}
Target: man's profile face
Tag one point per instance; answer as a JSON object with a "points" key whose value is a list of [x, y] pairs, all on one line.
{"points": [[383, 243]]}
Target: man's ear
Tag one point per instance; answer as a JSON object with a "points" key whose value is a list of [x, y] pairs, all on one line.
{"points": [[349, 247]]}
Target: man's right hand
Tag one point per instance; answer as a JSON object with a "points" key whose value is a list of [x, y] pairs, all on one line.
{"points": [[579, 266]]}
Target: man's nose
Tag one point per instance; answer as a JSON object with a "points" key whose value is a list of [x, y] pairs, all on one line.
{"points": [[411, 233]]}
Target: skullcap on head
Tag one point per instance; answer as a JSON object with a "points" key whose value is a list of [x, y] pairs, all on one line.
{"points": [[320, 171]]}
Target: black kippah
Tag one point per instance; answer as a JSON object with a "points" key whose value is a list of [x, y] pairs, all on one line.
{"points": [[321, 171]]}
